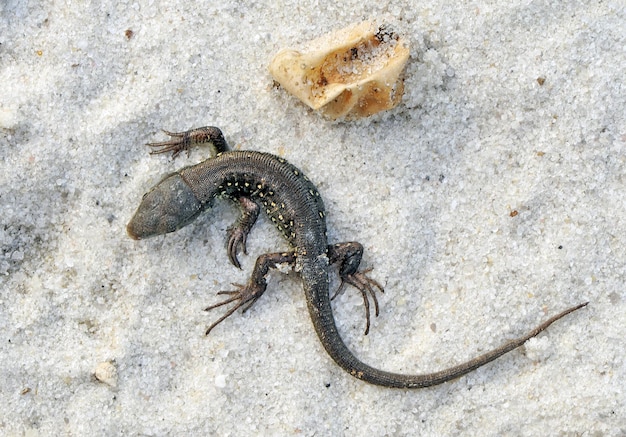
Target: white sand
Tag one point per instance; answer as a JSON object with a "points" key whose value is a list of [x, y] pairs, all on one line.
{"points": [[428, 189]]}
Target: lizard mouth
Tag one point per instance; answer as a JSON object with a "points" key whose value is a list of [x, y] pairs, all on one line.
{"points": [[131, 231]]}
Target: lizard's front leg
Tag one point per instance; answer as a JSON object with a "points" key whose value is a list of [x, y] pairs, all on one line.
{"points": [[185, 140], [238, 232]]}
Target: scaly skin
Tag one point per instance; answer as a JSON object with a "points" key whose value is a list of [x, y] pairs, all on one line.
{"points": [[263, 181]]}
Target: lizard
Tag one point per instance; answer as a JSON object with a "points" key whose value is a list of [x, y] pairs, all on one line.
{"points": [[258, 180]]}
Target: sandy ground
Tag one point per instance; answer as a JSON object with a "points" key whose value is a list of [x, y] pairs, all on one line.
{"points": [[486, 201]]}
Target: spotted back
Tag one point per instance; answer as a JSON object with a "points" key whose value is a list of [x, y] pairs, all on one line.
{"points": [[285, 194]]}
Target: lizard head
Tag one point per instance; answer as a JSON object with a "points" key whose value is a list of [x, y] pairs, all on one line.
{"points": [[167, 207]]}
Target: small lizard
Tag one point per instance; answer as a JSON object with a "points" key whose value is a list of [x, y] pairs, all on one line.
{"points": [[260, 180]]}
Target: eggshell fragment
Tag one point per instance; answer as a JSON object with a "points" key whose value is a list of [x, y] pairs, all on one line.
{"points": [[351, 73]]}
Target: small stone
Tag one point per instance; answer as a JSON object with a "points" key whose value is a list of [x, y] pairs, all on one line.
{"points": [[351, 73], [106, 372], [220, 381]]}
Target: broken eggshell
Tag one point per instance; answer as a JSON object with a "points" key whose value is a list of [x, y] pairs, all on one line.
{"points": [[351, 73]]}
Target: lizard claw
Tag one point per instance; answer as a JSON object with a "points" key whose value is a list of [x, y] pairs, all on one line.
{"points": [[237, 237], [245, 296], [238, 232], [180, 141], [365, 285]]}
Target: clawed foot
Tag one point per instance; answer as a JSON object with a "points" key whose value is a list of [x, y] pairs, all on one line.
{"points": [[365, 285], [237, 237], [238, 232], [181, 141], [245, 296]]}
